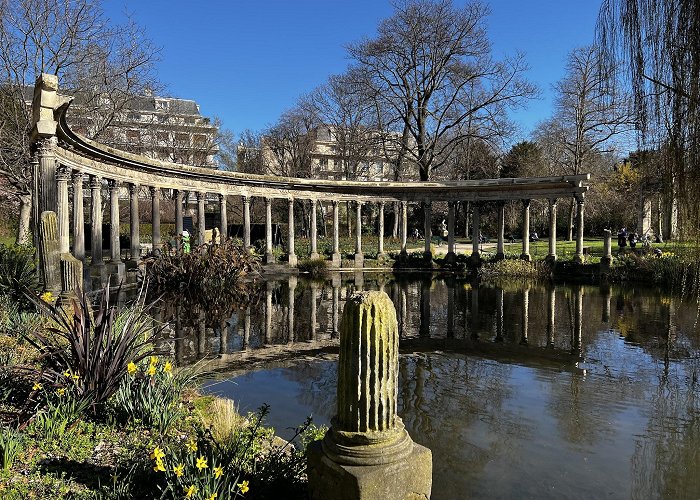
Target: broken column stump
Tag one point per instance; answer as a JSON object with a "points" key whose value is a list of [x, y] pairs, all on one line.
{"points": [[367, 454]]}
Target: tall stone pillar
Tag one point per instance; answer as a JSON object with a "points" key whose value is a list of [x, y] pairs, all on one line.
{"points": [[201, 221], [292, 257], [380, 236], [359, 257], [114, 249], [451, 256], [134, 221], [336, 259], [223, 220], [63, 209], [179, 225], [579, 231], [500, 245], [46, 153], [552, 256], [314, 230], [607, 247], [427, 228], [246, 222], [404, 227], [78, 217], [269, 256], [476, 233], [367, 454], [644, 216], [155, 220], [96, 216], [526, 231]]}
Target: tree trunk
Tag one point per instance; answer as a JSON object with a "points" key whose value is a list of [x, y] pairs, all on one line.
{"points": [[25, 214]]}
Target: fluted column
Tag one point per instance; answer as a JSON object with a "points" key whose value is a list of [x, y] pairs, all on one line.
{"points": [[359, 257], [96, 216], [155, 220], [552, 230], [246, 221], [269, 257], [380, 239], [62, 208], [179, 226], [451, 257], [404, 226], [500, 246], [201, 224], [476, 232], [134, 221], [78, 217], [46, 184], [579, 231], [336, 259], [526, 231], [292, 257], [427, 227], [314, 230], [114, 249]]}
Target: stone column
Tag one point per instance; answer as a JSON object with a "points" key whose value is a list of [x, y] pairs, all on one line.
{"points": [[526, 231], [336, 258], [314, 231], [223, 220], [134, 220], [201, 221], [114, 249], [179, 225], [451, 256], [380, 236], [96, 216], [46, 153], [476, 233], [579, 231], [78, 217], [155, 220], [246, 222], [525, 316], [500, 246], [427, 228], [367, 453], [269, 256], [552, 256], [359, 257], [607, 247], [63, 209], [292, 257], [404, 227], [550, 316]]}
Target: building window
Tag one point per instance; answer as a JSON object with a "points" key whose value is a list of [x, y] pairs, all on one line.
{"points": [[323, 163]]}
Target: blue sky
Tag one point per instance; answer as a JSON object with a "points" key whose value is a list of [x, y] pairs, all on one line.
{"points": [[247, 61]]}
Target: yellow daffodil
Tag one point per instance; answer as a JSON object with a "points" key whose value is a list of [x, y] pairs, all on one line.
{"points": [[76, 376], [66, 373], [201, 463], [151, 370], [167, 368], [179, 470], [154, 360], [131, 368], [47, 297], [160, 466], [212, 496], [157, 454], [192, 445], [243, 487], [37, 386], [218, 471], [61, 391], [189, 492]]}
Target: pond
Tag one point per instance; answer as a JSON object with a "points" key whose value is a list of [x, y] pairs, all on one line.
{"points": [[520, 389]]}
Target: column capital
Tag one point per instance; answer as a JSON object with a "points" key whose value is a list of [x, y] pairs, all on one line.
{"points": [[77, 177], [334, 203], [553, 201], [95, 182], [526, 203], [358, 203], [290, 201], [222, 197], [63, 173], [579, 198], [46, 146], [155, 191], [246, 199], [201, 196], [114, 185], [404, 203], [134, 188], [268, 201]]}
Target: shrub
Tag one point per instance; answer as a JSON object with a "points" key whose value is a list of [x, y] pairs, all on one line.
{"points": [[515, 268], [18, 273], [315, 267], [11, 442]]}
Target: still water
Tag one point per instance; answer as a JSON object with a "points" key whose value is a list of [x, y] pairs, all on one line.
{"points": [[520, 390]]}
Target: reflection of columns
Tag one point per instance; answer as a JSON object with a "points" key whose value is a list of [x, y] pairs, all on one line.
{"points": [[314, 230], [552, 230], [335, 283], [404, 226], [578, 320], [526, 231], [427, 227], [201, 221], [476, 325], [476, 232], [499, 314], [179, 226], [525, 317], [201, 334], [269, 257], [134, 222], [359, 257], [292, 257], [425, 293], [155, 219], [606, 303], [500, 246], [62, 208], [78, 217], [579, 231], [291, 288], [246, 221], [380, 240], [450, 307], [246, 328], [115, 250], [314, 298], [336, 236], [268, 311], [223, 219], [403, 293], [451, 256], [550, 316], [96, 209]]}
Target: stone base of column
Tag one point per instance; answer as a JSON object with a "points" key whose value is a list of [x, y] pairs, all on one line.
{"points": [[117, 272], [98, 270], [475, 258], [409, 478], [292, 260], [428, 257], [525, 256], [605, 264], [500, 256], [550, 258], [132, 264], [451, 258], [314, 256], [270, 258], [336, 260], [359, 260], [578, 259]]}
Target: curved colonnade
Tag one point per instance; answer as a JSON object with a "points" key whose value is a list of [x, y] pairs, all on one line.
{"points": [[65, 159]]}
